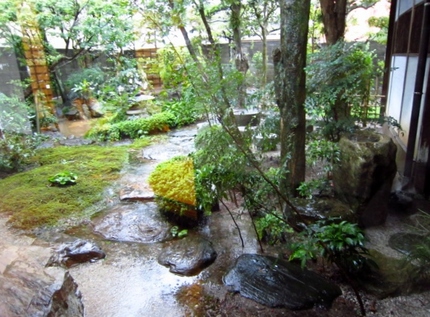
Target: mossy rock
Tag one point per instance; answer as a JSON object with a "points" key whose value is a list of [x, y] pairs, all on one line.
{"points": [[173, 183], [364, 175], [391, 277]]}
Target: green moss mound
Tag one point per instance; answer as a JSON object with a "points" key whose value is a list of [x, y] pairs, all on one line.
{"points": [[173, 182], [32, 202]]}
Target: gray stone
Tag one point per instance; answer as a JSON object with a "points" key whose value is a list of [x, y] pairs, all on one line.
{"points": [[276, 283], [136, 222], [405, 242], [136, 192], [28, 288], [364, 176], [76, 252], [392, 277], [188, 256]]}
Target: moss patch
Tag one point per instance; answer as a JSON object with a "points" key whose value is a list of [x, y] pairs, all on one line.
{"points": [[32, 202], [174, 180]]}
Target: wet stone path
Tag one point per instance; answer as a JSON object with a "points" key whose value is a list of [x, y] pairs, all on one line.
{"points": [[129, 281]]}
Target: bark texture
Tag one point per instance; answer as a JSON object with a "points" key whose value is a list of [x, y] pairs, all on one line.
{"points": [[290, 89], [334, 19]]}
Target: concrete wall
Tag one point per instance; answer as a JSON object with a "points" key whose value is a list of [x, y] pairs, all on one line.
{"points": [[10, 71]]}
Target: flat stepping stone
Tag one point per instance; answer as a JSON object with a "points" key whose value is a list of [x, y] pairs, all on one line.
{"points": [[188, 256], [136, 192]]}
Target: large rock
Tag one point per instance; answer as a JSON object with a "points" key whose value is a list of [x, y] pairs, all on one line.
{"points": [[76, 252], [188, 256], [276, 283], [28, 288], [364, 176], [392, 277]]}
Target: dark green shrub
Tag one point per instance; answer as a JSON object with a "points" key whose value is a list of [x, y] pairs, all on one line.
{"points": [[16, 150], [272, 228], [184, 109], [338, 242], [134, 129], [339, 83]]}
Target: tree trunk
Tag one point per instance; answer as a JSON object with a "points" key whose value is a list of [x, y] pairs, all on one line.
{"points": [[187, 40], [334, 19], [290, 89], [264, 55], [241, 62]]}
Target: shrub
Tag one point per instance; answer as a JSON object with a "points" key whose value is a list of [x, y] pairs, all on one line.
{"points": [[272, 228], [160, 122], [338, 242], [339, 81], [184, 109], [16, 150], [173, 183]]}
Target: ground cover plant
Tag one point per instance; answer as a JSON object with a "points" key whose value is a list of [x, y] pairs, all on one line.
{"points": [[31, 202], [134, 129]]}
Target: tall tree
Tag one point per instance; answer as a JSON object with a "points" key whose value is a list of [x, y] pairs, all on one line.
{"points": [[263, 14], [77, 27], [290, 82], [334, 13], [240, 58]]}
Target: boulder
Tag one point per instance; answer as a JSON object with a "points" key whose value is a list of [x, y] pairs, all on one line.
{"points": [[188, 256], [76, 252], [392, 276], [277, 283], [28, 288], [404, 242], [365, 174]]}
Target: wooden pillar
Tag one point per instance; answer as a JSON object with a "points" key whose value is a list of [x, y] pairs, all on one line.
{"points": [[36, 61]]}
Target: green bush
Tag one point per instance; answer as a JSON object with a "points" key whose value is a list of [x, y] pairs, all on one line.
{"points": [[185, 109], [173, 183], [339, 83], [338, 242], [220, 166], [272, 228], [16, 150], [134, 129]]}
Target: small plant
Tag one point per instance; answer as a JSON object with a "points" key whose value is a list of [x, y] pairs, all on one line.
{"points": [[63, 179], [178, 233], [272, 228], [420, 254], [341, 243], [313, 187]]}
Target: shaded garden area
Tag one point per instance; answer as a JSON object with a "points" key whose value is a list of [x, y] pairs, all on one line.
{"points": [[298, 149]]}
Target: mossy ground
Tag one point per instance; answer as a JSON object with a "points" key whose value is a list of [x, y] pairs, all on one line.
{"points": [[31, 201]]}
